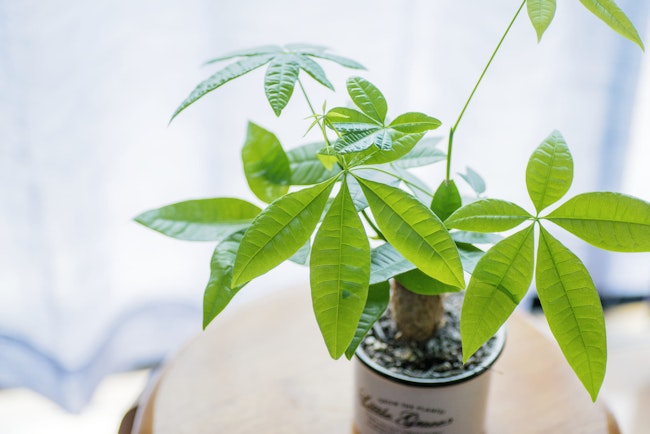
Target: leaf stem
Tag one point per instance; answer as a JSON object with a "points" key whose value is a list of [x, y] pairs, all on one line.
{"points": [[372, 224], [480, 79]]}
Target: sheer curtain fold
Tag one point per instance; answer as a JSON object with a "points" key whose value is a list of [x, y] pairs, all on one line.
{"points": [[87, 88]]}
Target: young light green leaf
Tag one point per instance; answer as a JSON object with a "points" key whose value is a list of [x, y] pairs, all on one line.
{"points": [[423, 153], [488, 215], [573, 311], [615, 18], [221, 77], [611, 221], [376, 304], [306, 167], [446, 199], [219, 292], [280, 80], [328, 159], [343, 61], [414, 231], [419, 283], [414, 122], [201, 219], [549, 172], [266, 165], [368, 98], [541, 13], [386, 262], [313, 69], [279, 231], [499, 282], [339, 273], [474, 180]]}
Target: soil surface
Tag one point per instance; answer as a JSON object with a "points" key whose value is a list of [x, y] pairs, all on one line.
{"points": [[439, 357]]}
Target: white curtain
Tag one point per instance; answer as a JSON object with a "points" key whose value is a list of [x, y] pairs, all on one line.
{"points": [[87, 89]]}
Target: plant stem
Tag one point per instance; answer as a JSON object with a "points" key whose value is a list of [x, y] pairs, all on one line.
{"points": [[487, 66], [316, 116]]}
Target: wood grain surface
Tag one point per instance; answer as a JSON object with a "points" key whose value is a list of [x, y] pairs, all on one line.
{"points": [[263, 368]]}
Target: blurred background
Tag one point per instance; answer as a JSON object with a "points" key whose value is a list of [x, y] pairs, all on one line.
{"points": [[86, 92]]}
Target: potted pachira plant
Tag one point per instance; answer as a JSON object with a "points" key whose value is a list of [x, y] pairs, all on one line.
{"points": [[384, 250]]}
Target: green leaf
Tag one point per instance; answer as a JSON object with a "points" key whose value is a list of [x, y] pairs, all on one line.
{"points": [[368, 98], [401, 145], [383, 140], [611, 221], [414, 231], [573, 311], [488, 215], [356, 141], [446, 199], [343, 61], [469, 256], [360, 202], [313, 69], [222, 77], [301, 257], [266, 165], [219, 292], [347, 120], [306, 166], [386, 262], [248, 52], [414, 122], [376, 304], [279, 231], [423, 153], [201, 219], [499, 282], [474, 180], [420, 190], [419, 283], [549, 172], [615, 18], [358, 197], [475, 237], [541, 13], [285, 63], [339, 273], [280, 80]]}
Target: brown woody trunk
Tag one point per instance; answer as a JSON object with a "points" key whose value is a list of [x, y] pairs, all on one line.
{"points": [[416, 316]]}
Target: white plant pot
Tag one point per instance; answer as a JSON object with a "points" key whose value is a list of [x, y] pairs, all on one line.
{"points": [[391, 403]]}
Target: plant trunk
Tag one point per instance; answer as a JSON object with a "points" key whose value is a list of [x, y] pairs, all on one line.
{"points": [[416, 316]]}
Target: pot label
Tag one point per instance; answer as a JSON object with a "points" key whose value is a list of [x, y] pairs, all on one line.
{"points": [[383, 406], [385, 414]]}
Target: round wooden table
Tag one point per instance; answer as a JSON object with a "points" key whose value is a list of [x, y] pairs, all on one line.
{"points": [[264, 368]]}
